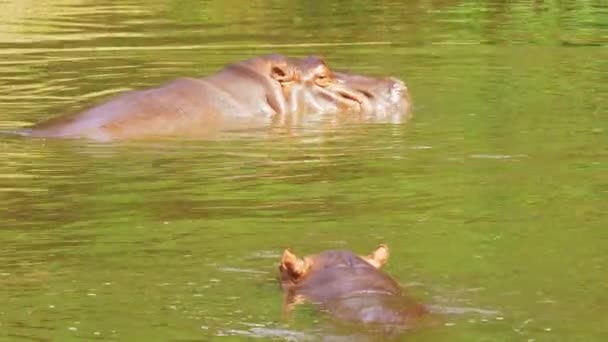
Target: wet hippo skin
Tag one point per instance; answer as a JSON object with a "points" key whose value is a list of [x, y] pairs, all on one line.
{"points": [[249, 94], [349, 287]]}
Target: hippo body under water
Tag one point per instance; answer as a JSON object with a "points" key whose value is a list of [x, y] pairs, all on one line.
{"points": [[249, 94]]}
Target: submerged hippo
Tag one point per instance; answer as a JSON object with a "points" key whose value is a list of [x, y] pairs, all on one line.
{"points": [[349, 287], [249, 94]]}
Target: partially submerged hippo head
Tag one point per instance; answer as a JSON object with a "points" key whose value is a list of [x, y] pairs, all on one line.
{"points": [[349, 287], [248, 94], [319, 89]]}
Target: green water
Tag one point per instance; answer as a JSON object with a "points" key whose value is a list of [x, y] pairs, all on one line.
{"points": [[493, 198]]}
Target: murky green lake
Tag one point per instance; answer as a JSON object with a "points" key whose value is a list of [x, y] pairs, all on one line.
{"points": [[493, 198]]}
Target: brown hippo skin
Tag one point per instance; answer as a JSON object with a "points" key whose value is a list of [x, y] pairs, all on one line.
{"points": [[248, 94], [350, 288]]}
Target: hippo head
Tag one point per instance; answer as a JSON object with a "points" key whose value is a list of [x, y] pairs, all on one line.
{"points": [[319, 89], [348, 286], [310, 86], [334, 265], [334, 274]]}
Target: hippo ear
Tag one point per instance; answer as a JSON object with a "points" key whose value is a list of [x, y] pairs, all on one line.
{"points": [[379, 256], [292, 266], [281, 73]]}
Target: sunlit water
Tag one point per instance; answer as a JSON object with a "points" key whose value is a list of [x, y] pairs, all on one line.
{"points": [[493, 198]]}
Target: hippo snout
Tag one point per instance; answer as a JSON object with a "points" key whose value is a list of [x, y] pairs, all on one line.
{"points": [[396, 103], [397, 91], [397, 82]]}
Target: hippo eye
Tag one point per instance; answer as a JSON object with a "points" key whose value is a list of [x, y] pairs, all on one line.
{"points": [[323, 80]]}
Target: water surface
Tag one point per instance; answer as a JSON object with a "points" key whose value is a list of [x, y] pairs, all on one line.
{"points": [[493, 198]]}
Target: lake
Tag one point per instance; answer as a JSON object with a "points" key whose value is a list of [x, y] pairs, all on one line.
{"points": [[493, 198]]}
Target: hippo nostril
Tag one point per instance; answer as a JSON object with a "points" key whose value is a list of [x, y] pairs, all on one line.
{"points": [[349, 96], [366, 93]]}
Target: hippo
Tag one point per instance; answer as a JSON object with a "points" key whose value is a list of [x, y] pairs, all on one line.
{"points": [[349, 287], [254, 93]]}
